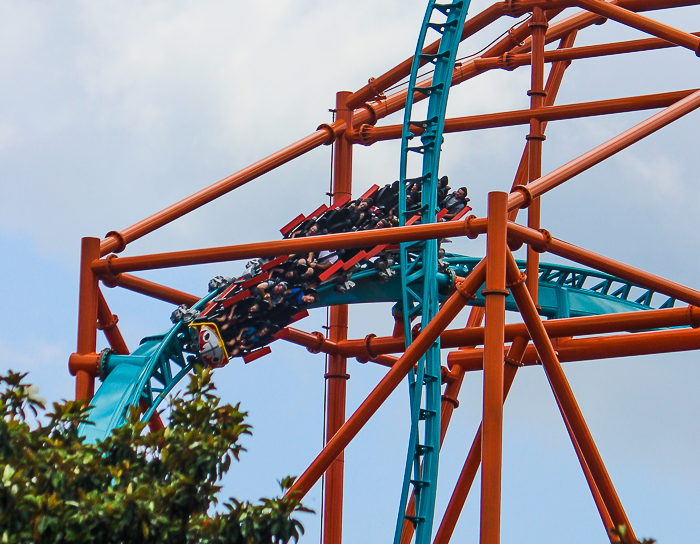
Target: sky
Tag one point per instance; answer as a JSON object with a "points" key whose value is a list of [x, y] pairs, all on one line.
{"points": [[111, 111]]}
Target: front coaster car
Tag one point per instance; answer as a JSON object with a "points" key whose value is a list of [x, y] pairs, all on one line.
{"points": [[211, 348]]}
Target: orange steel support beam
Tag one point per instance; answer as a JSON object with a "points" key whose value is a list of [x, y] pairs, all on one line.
{"points": [[537, 117], [581, 20], [336, 373], [368, 135], [651, 5], [556, 328], [471, 464], [565, 397], [580, 326], [447, 407], [642, 23], [391, 380], [116, 265], [87, 315], [495, 294], [525, 195], [151, 289], [590, 480], [512, 61], [315, 342], [588, 258], [384, 360], [603, 347], [107, 323], [117, 241], [565, 111], [562, 28], [539, 25]]}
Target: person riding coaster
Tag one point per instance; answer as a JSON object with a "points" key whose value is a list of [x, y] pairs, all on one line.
{"points": [[242, 320]]}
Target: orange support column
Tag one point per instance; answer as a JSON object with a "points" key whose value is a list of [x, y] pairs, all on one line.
{"points": [[336, 375], [87, 314], [551, 90], [538, 24], [495, 294], [336, 382]]}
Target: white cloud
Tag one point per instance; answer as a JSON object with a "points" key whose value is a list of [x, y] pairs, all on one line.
{"points": [[658, 175], [7, 132], [46, 363], [28, 354]]}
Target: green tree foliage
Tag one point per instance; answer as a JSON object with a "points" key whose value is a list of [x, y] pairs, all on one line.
{"points": [[133, 487], [619, 534]]}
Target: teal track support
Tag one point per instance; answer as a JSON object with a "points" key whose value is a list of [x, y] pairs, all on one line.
{"points": [[161, 361], [148, 374], [419, 261]]}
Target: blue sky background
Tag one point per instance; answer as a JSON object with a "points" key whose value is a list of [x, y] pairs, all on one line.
{"points": [[111, 111]]}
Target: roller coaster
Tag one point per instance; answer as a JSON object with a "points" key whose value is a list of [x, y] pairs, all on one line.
{"points": [[386, 246]]}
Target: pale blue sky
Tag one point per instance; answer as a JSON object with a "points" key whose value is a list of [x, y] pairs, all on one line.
{"points": [[110, 111]]}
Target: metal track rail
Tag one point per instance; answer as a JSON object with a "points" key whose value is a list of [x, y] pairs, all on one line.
{"points": [[142, 378], [564, 291], [419, 260], [151, 372]]}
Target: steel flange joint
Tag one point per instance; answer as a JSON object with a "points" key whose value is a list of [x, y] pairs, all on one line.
{"points": [[88, 362], [110, 278], [453, 401], [321, 340], [471, 231], [502, 292], [463, 291], [694, 316], [119, 237], [513, 8], [521, 279], [107, 326], [368, 346], [332, 131], [546, 241], [372, 110], [527, 195], [365, 134], [328, 375]]}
